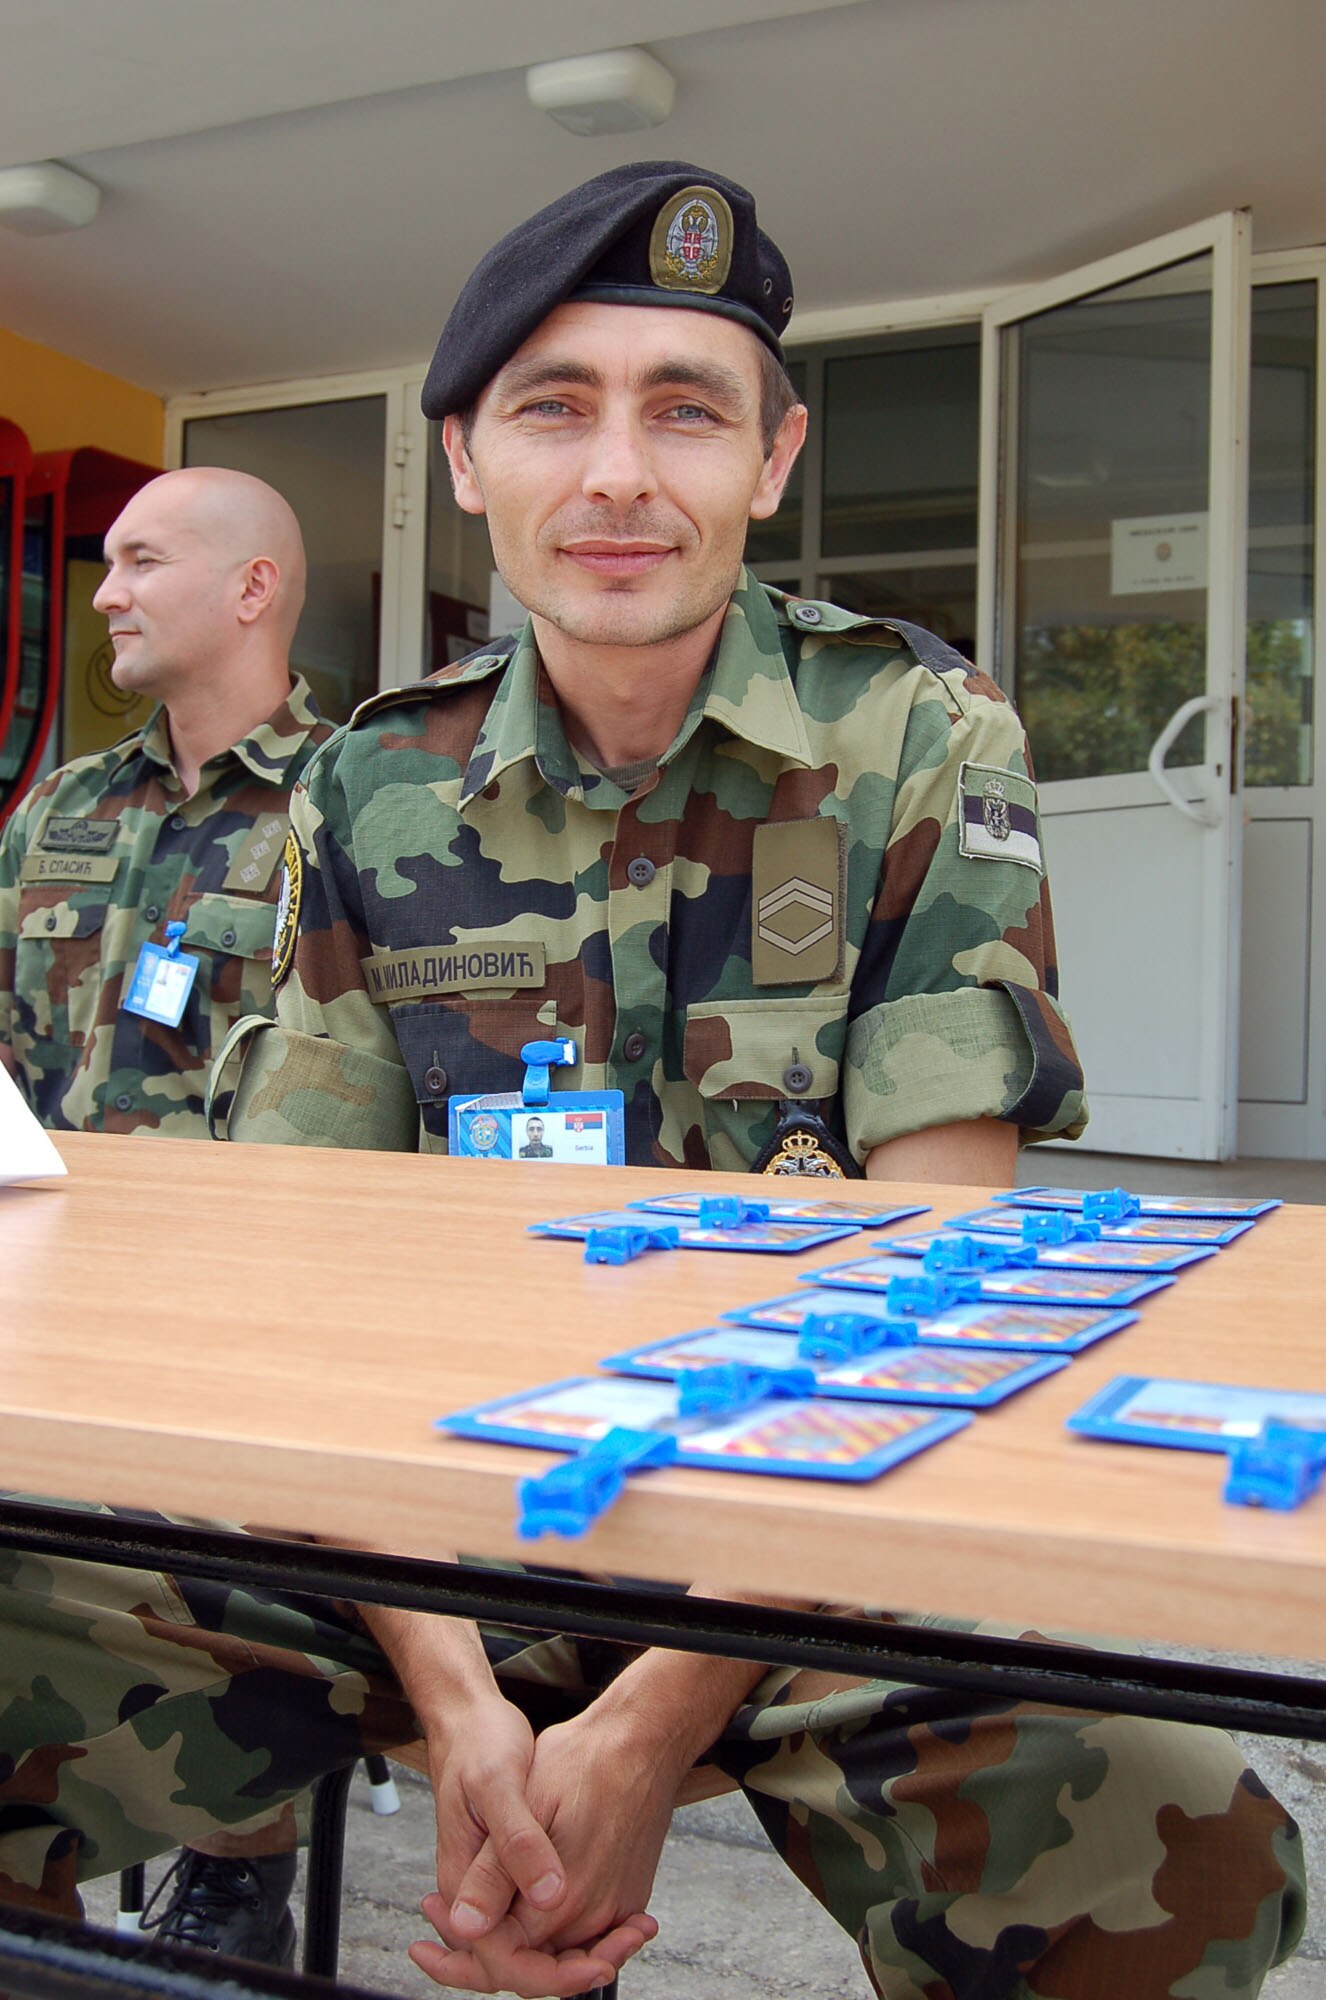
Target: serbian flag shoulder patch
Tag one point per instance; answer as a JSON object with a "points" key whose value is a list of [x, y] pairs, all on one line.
{"points": [[997, 816]]}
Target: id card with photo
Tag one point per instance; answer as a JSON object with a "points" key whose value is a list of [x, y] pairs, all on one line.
{"points": [[574, 1128], [783, 1238], [1006, 1220], [1150, 1204], [1194, 1416], [891, 1375], [1098, 1256], [821, 1437], [794, 1208], [161, 985], [1043, 1329], [1035, 1283]]}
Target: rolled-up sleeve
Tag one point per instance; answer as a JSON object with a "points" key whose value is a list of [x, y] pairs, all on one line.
{"points": [[955, 1013]]}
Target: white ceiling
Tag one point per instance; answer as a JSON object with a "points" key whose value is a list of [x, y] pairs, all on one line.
{"points": [[296, 187]]}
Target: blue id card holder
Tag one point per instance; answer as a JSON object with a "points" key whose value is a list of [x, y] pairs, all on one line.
{"points": [[570, 1127], [163, 980]]}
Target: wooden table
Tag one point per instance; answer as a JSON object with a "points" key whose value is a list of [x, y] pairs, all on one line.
{"points": [[265, 1334]]}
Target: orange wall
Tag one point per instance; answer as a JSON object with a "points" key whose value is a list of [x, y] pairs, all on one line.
{"points": [[61, 403]]}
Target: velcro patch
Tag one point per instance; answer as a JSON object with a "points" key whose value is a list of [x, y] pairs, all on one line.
{"points": [[78, 836], [797, 924], [255, 864], [997, 817], [68, 868], [416, 974]]}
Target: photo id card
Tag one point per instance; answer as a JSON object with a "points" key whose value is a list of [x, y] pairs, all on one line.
{"points": [[1006, 1220], [1098, 1256], [891, 1375], [1040, 1329], [794, 1208], [1036, 1282], [1150, 1204], [784, 1237], [1194, 1416], [161, 985], [574, 1128], [826, 1437]]}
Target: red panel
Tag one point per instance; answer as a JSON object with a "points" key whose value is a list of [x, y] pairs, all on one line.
{"points": [[15, 465], [87, 487]]}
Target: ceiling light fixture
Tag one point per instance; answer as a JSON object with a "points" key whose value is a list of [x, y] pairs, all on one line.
{"points": [[41, 199], [618, 90]]}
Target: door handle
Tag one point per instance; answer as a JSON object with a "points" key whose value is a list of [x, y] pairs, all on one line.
{"points": [[1205, 811]]}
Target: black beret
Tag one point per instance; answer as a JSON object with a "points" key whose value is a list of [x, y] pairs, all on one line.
{"points": [[657, 232]]}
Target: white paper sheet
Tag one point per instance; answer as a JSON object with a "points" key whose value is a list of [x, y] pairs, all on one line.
{"points": [[26, 1151]]}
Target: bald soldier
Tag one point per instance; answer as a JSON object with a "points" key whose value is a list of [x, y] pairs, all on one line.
{"points": [[595, 830], [171, 839]]}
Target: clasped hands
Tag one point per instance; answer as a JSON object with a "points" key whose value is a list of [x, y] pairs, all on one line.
{"points": [[546, 1850]]}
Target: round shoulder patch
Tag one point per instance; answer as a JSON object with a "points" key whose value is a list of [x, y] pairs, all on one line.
{"points": [[287, 909]]}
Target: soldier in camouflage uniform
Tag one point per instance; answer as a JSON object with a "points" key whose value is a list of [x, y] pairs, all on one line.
{"points": [[777, 871], [183, 821]]}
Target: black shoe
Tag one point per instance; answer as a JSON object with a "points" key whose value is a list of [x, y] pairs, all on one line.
{"points": [[240, 1907]]}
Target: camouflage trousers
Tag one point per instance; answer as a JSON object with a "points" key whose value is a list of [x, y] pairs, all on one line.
{"points": [[974, 1849]]}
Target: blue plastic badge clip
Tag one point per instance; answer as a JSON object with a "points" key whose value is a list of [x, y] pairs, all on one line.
{"points": [[1280, 1467], [730, 1386], [1057, 1226], [620, 1244], [843, 1336], [921, 1298], [974, 1253], [565, 1500], [729, 1211], [539, 1058], [1110, 1205], [174, 932]]}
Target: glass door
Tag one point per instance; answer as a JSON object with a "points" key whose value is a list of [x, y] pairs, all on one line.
{"points": [[1113, 609], [329, 458]]}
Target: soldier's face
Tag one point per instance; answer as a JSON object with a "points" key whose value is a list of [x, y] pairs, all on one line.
{"points": [[166, 595], [618, 458]]}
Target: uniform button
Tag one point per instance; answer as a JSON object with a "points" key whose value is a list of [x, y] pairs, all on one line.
{"points": [[435, 1081], [178, 822], [796, 1079], [634, 1046], [52, 921], [152, 913], [228, 939], [807, 614], [124, 1102], [641, 871]]}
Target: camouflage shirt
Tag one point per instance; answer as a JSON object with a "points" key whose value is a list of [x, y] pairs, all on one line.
{"points": [[98, 858], [830, 890]]}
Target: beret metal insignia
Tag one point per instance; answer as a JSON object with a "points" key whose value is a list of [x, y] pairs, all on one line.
{"points": [[690, 248], [287, 909]]}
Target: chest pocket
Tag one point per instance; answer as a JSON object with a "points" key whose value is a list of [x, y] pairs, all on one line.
{"points": [[742, 1056], [468, 1049], [237, 933], [57, 969]]}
